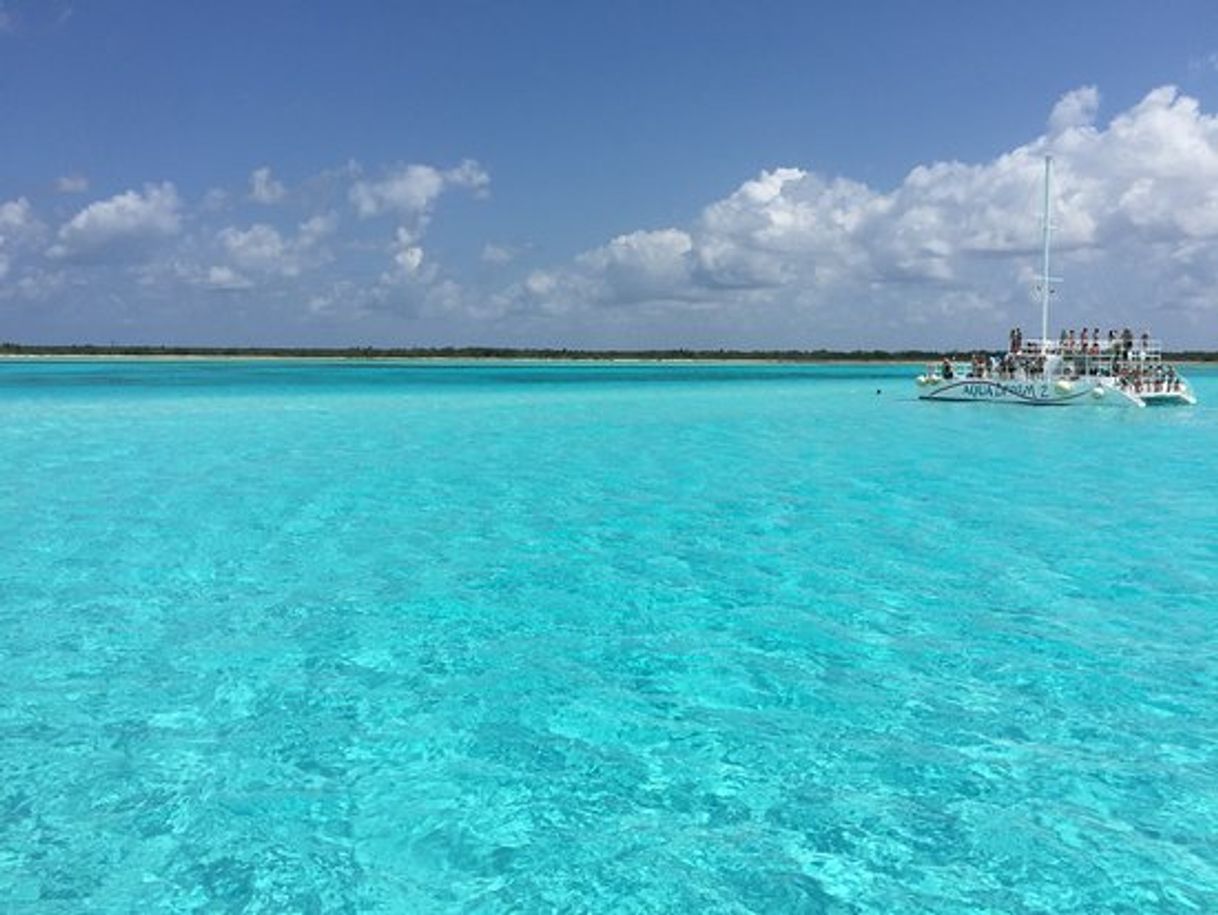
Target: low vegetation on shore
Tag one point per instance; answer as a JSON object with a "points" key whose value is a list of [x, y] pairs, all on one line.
{"points": [[495, 352]]}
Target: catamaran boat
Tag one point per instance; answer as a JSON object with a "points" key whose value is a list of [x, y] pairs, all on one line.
{"points": [[1068, 371]]}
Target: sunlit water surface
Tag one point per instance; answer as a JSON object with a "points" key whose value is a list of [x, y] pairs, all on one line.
{"points": [[378, 637]]}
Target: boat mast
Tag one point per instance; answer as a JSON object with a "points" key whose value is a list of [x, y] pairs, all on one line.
{"points": [[1044, 276]]}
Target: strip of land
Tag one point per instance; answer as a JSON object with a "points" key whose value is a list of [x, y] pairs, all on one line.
{"points": [[492, 352]]}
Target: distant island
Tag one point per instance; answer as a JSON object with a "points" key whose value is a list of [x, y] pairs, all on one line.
{"points": [[497, 352]]}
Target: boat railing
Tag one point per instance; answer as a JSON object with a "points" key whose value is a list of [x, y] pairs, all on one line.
{"points": [[1140, 348]]}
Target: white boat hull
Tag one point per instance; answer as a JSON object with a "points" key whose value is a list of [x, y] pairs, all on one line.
{"points": [[1092, 392], [1183, 397]]}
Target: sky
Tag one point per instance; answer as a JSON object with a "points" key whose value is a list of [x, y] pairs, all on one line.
{"points": [[624, 175]]}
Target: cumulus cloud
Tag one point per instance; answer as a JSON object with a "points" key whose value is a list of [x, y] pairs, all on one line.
{"points": [[72, 184], [226, 279], [264, 188], [263, 249], [803, 257], [953, 239], [411, 190], [1074, 110], [16, 218], [408, 255], [19, 229], [260, 247], [410, 266], [469, 174], [643, 266], [313, 230], [132, 218]]}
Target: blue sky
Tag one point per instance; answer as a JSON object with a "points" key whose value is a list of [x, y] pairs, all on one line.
{"points": [[578, 174]]}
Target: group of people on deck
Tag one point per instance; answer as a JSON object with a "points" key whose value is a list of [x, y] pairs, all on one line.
{"points": [[1132, 375], [1121, 359], [1088, 342], [1155, 379], [1119, 343], [1007, 367]]}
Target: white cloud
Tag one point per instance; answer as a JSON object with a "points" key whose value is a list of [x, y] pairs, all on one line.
{"points": [[410, 265], [124, 219], [19, 231], [952, 240], [343, 297], [16, 217], [643, 266], [469, 174], [313, 230], [72, 184], [780, 224], [541, 284], [409, 258], [260, 247], [790, 256], [411, 190], [263, 249], [226, 279], [407, 254], [552, 292], [264, 188], [1075, 110], [410, 193]]}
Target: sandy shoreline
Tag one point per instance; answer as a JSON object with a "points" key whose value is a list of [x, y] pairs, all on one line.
{"points": [[506, 360], [502, 360]]}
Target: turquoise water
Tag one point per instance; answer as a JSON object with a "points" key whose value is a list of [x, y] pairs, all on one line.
{"points": [[375, 637]]}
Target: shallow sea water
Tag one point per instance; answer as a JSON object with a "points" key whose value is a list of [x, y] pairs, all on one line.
{"points": [[378, 637]]}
